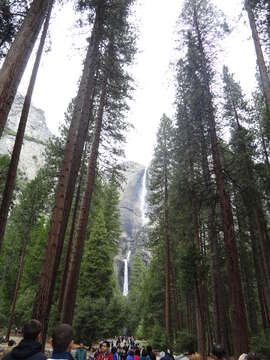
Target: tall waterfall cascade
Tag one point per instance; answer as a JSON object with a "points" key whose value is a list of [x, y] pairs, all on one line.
{"points": [[133, 209], [125, 289], [143, 198]]}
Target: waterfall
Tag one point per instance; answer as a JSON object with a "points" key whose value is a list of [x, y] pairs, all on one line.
{"points": [[125, 288], [143, 197]]}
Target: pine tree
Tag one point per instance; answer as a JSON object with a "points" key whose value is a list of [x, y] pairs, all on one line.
{"points": [[11, 176], [159, 186], [71, 163], [135, 293], [203, 19], [260, 56], [18, 55]]}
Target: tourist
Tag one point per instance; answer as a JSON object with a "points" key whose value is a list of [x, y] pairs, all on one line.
{"points": [[114, 353], [62, 342], [166, 355], [81, 353], [130, 355], [150, 354], [143, 354], [252, 356], [30, 347], [219, 352], [104, 353], [137, 354]]}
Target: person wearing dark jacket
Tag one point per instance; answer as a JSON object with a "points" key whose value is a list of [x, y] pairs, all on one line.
{"points": [[30, 347], [62, 342]]}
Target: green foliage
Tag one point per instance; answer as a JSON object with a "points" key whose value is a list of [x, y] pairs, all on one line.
{"points": [[158, 338], [12, 14], [261, 345], [185, 343], [4, 164], [134, 303]]}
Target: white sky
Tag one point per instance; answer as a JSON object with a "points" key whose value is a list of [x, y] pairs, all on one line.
{"points": [[61, 67]]}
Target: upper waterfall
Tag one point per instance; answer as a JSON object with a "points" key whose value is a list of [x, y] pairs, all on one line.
{"points": [[143, 197]]}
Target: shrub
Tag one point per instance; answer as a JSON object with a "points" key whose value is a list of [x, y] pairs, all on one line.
{"points": [[261, 345], [158, 338], [186, 343]]}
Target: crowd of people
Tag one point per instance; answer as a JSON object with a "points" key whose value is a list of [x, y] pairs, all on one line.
{"points": [[124, 348]]}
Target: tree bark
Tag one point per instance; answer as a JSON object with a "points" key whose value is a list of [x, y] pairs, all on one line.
{"points": [[69, 248], [258, 274], [17, 287], [167, 259], [18, 56], [13, 166], [65, 189], [238, 315], [259, 53], [176, 301], [73, 277]]}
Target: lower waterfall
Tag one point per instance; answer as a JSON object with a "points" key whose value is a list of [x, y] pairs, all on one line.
{"points": [[125, 288]]}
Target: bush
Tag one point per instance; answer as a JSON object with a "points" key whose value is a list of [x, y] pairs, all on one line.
{"points": [[186, 343], [261, 345], [158, 338], [139, 332]]}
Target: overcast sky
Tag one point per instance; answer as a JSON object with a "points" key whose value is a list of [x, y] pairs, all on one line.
{"points": [[152, 71]]}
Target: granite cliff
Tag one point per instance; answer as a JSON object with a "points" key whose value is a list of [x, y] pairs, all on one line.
{"points": [[36, 136]]}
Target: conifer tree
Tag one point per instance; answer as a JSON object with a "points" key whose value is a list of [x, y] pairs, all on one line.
{"points": [[113, 88], [205, 23], [18, 55], [70, 167], [159, 185], [11, 176], [260, 56]]}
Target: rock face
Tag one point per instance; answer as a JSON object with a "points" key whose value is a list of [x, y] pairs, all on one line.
{"points": [[36, 136], [131, 218]]}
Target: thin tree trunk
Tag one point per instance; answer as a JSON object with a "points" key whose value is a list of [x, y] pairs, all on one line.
{"points": [[176, 302], [238, 315], [17, 287], [69, 248], [260, 57], [18, 56], [167, 260], [71, 163], [73, 277], [189, 327], [13, 166], [247, 276], [265, 259]]}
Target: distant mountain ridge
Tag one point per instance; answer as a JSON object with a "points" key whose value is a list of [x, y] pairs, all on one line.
{"points": [[37, 135]]}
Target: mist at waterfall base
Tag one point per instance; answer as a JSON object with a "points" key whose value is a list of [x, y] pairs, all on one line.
{"points": [[144, 220]]}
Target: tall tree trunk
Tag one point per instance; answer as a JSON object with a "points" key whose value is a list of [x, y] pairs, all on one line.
{"points": [[69, 248], [188, 311], [265, 259], [200, 314], [247, 275], [17, 287], [73, 277], [167, 259], [65, 189], [258, 273], [176, 301], [260, 57], [12, 171], [18, 56], [238, 315]]}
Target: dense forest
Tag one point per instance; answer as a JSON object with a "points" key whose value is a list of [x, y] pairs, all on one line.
{"points": [[208, 193]]}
